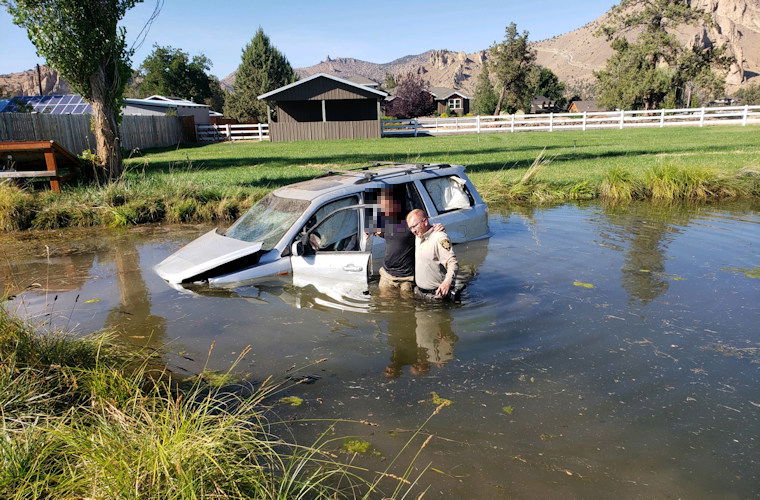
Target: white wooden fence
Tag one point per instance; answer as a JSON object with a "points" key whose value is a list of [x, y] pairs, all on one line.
{"points": [[236, 132], [697, 117]]}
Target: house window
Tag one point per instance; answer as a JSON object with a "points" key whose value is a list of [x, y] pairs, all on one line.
{"points": [[455, 103]]}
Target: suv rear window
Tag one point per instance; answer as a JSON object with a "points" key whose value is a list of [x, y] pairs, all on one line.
{"points": [[448, 193]]}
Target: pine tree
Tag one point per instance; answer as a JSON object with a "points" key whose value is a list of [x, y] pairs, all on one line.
{"points": [[485, 96], [263, 68], [513, 64]]}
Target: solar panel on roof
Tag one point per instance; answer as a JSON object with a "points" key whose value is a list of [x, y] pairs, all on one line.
{"points": [[51, 104]]}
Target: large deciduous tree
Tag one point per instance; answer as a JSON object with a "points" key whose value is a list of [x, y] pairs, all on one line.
{"points": [[485, 98], [81, 39], [656, 67], [412, 98], [512, 63], [263, 68], [171, 72]]}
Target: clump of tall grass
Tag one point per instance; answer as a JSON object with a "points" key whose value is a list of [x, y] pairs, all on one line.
{"points": [[619, 184], [17, 208], [81, 417], [499, 188]]}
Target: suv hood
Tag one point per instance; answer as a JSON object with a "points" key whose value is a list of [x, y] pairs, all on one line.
{"points": [[203, 255]]}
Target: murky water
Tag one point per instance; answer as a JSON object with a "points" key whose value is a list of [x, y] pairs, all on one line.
{"points": [[597, 352]]}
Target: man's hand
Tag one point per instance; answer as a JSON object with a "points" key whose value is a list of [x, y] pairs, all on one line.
{"points": [[438, 227], [443, 289]]}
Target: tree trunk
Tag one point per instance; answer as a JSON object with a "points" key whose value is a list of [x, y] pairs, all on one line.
{"points": [[105, 125], [502, 95]]}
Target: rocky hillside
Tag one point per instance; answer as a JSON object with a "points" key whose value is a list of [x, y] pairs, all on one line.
{"points": [[27, 82], [574, 56]]}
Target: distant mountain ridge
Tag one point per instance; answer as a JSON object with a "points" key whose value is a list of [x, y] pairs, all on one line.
{"points": [[573, 56]]}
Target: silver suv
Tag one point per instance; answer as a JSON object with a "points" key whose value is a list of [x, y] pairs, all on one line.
{"points": [[320, 230]]}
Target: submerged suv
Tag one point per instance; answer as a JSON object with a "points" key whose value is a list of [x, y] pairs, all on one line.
{"points": [[321, 230]]}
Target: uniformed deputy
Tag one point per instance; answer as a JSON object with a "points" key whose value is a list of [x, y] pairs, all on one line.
{"points": [[435, 265]]}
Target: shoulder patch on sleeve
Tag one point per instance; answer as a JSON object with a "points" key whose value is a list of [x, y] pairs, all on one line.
{"points": [[445, 243]]}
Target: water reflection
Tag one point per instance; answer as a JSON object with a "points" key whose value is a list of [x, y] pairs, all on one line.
{"points": [[648, 234], [132, 316], [420, 336]]}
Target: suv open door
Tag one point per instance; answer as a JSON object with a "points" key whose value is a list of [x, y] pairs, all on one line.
{"points": [[334, 255]]}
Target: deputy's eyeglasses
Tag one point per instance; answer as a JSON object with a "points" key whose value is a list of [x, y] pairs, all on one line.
{"points": [[418, 223]]}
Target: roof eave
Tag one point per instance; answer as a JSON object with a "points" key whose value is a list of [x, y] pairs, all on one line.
{"points": [[315, 76]]}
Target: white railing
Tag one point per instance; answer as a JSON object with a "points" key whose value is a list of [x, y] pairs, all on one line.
{"points": [[697, 117], [236, 132]]}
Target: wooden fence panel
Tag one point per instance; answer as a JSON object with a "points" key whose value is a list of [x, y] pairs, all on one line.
{"points": [[73, 131]]}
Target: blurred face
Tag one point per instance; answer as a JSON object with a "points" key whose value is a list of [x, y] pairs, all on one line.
{"points": [[418, 224], [388, 205]]}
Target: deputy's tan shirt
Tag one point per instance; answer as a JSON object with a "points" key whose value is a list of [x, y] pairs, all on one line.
{"points": [[434, 260]]}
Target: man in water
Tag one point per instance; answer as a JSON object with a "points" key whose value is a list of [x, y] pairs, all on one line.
{"points": [[435, 265], [397, 272]]}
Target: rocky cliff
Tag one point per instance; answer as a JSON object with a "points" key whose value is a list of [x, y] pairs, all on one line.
{"points": [[27, 82]]}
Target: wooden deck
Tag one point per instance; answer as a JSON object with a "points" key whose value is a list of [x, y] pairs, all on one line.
{"points": [[25, 158]]}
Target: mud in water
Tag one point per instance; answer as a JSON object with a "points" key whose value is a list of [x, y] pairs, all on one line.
{"points": [[596, 352]]}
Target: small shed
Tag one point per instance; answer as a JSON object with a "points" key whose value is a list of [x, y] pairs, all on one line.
{"points": [[450, 100], [323, 106]]}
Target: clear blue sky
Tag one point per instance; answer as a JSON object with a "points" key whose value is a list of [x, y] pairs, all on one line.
{"points": [[308, 31]]}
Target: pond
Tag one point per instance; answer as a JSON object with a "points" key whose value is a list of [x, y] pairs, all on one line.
{"points": [[597, 351]]}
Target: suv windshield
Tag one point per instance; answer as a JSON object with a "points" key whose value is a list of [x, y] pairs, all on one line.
{"points": [[268, 220]]}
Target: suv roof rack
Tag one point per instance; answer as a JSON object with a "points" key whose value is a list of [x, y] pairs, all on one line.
{"points": [[366, 176]]}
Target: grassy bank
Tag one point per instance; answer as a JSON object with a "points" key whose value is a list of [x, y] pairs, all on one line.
{"points": [[84, 418], [218, 181]]}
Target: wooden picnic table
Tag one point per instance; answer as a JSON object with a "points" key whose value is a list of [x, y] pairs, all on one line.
{"points": [[27, 156]]}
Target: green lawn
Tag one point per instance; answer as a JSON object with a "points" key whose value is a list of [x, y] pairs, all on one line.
{"points": [[576, 156], [217, 182]]}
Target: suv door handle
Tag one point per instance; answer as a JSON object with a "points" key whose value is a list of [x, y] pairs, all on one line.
{"points": [[351, 268]]}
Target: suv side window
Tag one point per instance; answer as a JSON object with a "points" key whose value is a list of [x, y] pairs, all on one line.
{"points": [[329, 208], [448, 193], [336, 233]]}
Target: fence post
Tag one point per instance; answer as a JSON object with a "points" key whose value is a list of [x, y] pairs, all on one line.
{"points": [[456, 123], [416, 125], [744, 114], [551, 122], [261, 132], [622, 118], [512, 125], [702, 117], [584, 121], [228, 132], [477, 121], [436, 124], [662, 117]]}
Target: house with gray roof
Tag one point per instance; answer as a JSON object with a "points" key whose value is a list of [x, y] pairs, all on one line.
{"points": [[450, 101]]}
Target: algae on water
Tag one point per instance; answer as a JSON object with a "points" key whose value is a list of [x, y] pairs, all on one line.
{"points": [[749, 272], [438, 400], [584, 285], [292, 400], [356, 446]]}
